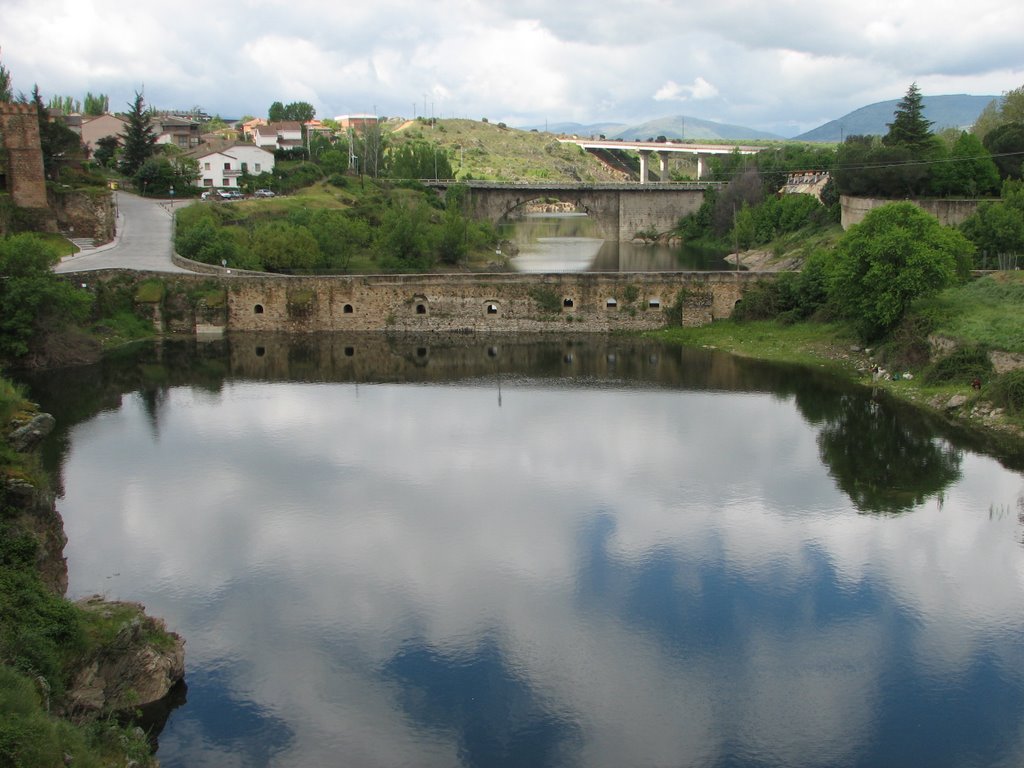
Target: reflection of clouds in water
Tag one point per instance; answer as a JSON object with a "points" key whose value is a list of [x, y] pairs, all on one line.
{"points": [[557, 254], [427, 515]]}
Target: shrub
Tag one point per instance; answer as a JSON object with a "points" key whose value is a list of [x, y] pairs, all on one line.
{"points": [[962, 366], [547, 299], [1007, 391]]}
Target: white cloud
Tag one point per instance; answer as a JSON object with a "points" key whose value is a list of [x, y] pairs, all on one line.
{"points": [[673, 91], [792, 61]]}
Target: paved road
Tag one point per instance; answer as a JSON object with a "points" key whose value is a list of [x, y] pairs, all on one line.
{"points": [[143, 239]]}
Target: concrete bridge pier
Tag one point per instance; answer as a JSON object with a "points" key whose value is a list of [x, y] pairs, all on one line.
{"points": [[645, 155], [663, 166], [702, 166]]}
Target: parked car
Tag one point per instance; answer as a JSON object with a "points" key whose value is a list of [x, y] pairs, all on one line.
{"points": [[264, 193], [231, 194]]}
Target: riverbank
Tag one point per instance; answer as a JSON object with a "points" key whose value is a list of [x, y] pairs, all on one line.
{"points": [[835, 347], [70, 673]]}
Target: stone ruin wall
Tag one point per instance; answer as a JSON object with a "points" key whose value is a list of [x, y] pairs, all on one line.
{"points": [[481, 303], [19, 136], [438, 304]]}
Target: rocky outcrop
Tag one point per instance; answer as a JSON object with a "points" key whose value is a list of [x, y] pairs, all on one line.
{"points": [[143, 660], [138, 667], [28, 435]]}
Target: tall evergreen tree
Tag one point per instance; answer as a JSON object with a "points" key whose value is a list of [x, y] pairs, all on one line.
{"points": [[59, 144], [139, 139], [909, 127]]}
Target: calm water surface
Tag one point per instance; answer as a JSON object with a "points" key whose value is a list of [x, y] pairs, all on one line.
{"points": [[569, 242], [400, 552]]}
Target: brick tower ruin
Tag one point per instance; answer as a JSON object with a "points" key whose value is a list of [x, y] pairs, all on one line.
{"points": [[23, 158]]}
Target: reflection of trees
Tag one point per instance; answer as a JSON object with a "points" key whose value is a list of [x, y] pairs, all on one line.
{"points": [[882, 460]]}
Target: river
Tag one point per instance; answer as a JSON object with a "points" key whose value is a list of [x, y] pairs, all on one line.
{"points": [[569, 242], [510, 551]]}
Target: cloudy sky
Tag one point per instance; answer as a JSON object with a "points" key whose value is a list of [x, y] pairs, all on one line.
{"points": [[785, 66]]}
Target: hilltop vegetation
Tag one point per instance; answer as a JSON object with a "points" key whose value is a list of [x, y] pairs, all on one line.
{"points": [[483, 150]]}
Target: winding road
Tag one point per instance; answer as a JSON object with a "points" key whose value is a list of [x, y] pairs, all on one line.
{"points": [[143, 240]]}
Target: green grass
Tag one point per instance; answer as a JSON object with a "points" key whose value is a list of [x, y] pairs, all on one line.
{"points": [[805, 343], [986, 311], [150, 291]]}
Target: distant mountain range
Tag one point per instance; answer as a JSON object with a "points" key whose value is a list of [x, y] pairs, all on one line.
{"points": [[669, 127], [952, 111]]}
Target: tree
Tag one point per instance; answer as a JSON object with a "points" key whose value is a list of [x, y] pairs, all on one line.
{"points": [[909, 127], [1012, 109], [139, 140], [106, 150], [299, 111], [96, 105], [32, 298], [988, 120], [283, 247], [969, 171], [59, 144], [64, 104], [997, 229], [418, 160], [1006, 143], [6, 87], [897, 254]]}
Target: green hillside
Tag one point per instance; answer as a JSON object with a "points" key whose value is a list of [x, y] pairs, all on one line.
{"points": [[491, 151]]}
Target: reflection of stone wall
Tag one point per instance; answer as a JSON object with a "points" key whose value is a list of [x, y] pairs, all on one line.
{"points": [[488, 359]]}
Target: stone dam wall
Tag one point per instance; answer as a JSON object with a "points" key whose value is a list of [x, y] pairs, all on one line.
{"points": [[458, 303]]}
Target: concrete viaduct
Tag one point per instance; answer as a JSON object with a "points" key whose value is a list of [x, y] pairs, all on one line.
{"points": [[620, 211], [662, 149]]}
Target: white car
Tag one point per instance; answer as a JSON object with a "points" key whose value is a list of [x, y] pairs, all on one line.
{"points": [[264, 193]]}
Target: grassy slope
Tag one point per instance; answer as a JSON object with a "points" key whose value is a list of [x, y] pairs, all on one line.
{"points": [[488, 151]]}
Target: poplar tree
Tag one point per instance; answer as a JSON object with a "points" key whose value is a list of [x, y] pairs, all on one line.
{"points": [[139, 139]]}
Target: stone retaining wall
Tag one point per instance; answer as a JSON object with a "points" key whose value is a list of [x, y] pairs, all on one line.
{"points": [[950, 213]]}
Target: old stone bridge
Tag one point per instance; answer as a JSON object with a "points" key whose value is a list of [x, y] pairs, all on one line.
{"points": [[619, 210]]}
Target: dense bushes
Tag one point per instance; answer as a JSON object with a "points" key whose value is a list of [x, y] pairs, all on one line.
{"points": [[400, 228], [32, 298]]}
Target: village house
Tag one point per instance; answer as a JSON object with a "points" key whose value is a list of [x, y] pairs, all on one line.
{"points": [[357, 123], [284, 135], [221, 164], [95, 128], [179, 131]]}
